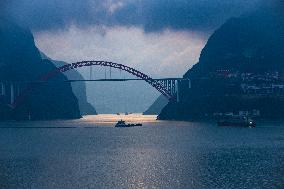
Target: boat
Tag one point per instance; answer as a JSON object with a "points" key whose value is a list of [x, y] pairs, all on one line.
{"points": [[238, 121], [122, 123]]}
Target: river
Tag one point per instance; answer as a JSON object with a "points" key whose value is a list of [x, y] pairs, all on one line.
{"points": [[92, 153]]}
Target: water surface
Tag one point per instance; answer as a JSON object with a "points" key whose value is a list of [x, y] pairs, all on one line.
{"points": [[91, 153]]}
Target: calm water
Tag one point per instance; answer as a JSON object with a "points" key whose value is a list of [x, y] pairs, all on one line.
{"points": [[91, 153]]}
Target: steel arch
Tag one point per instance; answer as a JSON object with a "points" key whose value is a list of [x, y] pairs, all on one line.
{"points": [[157, 84]]}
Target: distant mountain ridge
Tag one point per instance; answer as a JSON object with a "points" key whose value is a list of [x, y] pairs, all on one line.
{"points": [[20, 60], [252, 44], [79, 88]]}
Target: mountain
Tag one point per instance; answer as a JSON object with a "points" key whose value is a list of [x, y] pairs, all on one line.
{"points": [[79, 88], [241, 68], [157, 106], [251, 43], [20, 63]]}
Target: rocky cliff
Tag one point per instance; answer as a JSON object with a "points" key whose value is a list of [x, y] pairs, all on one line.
{"points": [[78, 88], [251, 44], [20, 63]]}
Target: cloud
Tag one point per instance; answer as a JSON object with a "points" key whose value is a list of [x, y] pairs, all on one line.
{"points": [[167, 53], [199, 15], [157, 15], [162, 38]]}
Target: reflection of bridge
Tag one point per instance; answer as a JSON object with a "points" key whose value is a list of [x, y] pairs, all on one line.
{"points": [[166, 86]]}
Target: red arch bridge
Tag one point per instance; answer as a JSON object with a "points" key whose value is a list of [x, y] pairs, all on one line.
{"points": [[169, 87]]}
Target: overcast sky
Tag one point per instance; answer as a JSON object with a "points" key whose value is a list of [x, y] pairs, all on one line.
{"points": [[162, 38], [164, 34], [151, 15]]}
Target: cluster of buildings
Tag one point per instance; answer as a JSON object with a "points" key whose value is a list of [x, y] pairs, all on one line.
{"points": [[263, 89], [250, 85], [251, 113], [270, 76], [266, 83]]}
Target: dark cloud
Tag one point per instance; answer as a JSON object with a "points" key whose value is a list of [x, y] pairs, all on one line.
{"points": [[200, 15], [152, 15], [53, 14]]}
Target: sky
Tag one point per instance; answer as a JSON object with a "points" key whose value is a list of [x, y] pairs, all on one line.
{"points": [[162, 38]]}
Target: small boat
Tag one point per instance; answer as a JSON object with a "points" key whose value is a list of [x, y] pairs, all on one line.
{"points": [[122, 123], [238, 121]]}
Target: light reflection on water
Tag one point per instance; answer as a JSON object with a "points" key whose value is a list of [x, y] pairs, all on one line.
{"points": [[111, 119], [91, 153]]}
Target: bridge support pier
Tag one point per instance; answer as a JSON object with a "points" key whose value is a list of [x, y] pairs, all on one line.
{"points": [[182, 84], [12, 93], [3, 89], [177, 90]]}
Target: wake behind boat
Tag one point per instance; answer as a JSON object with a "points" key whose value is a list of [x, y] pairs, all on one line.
{"points": [[122, 123]]}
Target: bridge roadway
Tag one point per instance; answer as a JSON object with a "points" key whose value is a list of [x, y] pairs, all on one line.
{"points": [[87, 80], [166, 86], [160, 79], [13, 87]]}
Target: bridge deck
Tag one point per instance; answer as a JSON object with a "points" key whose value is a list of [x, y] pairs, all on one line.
{"points": [[94, 80]]}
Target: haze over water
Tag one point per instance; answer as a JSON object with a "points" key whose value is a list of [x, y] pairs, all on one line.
{"points": [[92, 153]]}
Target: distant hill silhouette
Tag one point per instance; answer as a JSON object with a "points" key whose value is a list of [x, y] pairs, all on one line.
{"points": [[20, 60], [79, 88], [157, 106], [252, 43]]}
